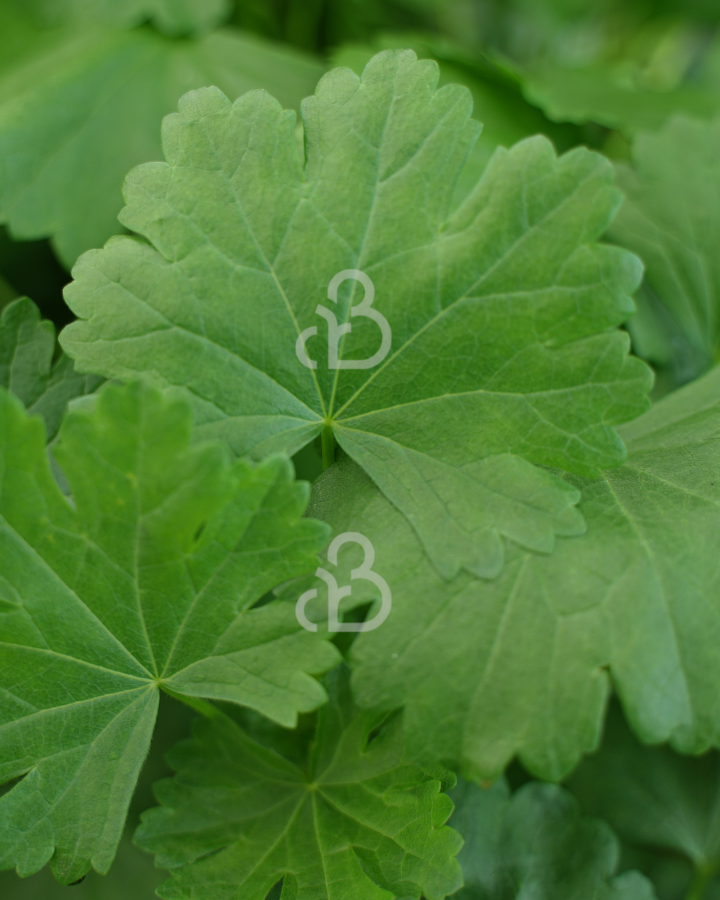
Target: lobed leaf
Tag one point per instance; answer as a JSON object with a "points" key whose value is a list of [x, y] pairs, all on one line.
{"points": [[361, 824], [496, 92], [146, 581], [505, 351], [520, 665], [27, 348]]}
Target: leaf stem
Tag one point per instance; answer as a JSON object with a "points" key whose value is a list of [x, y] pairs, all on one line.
{"points": [[328, 447], [704, 874], [202, 706]]}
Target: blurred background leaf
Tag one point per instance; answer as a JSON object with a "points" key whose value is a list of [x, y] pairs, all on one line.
{"points": [[665, 807]]}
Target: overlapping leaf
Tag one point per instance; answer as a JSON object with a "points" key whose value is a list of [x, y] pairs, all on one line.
{"points": [[89, 101], [27, 347], [654, 798], [359, 825], [536, 844], [519, 665], [504, 349], [170, 16], [604, 95], [146, 581], [672, 219]]}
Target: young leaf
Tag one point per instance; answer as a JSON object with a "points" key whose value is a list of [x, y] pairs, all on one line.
{"points": [[361, 824], [536, 844], [502, 316], [148, 581], [89, 102], [672, 219], [655, 798], [170, 16], [27, 346], [487, 670]]}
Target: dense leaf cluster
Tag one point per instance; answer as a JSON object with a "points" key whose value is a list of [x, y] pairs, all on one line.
{"points": [[529, 197]]}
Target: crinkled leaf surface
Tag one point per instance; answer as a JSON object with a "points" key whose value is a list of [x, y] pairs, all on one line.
{"points": [[672, 220], [360, 824], [518, 665], [89, 102], [504, 348], [146, 581], [654, 798], [536, 844], [170, 16], [27, 346]]}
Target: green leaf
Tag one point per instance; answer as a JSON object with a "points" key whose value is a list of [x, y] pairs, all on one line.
{"points": [[503, 315], [496, 92], [654, 798], [603, 94], [27, 346], [147, 581], [170, 16], [519, 665], [133, 876], [89, 102], [536, 844], [672, 220], [361, 824]]}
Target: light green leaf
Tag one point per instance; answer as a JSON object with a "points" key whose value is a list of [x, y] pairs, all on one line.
{"points": [[89, 102], [504, 349], [519, 666], [536, 844], [169, 16], [27, 346], [496, 92], [672, 220], [147, 581], [361, 824], [654, 798]]}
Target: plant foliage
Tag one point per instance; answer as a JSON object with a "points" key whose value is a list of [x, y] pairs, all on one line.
{"points": [[148, 582], [436, 320], [499, 314], [358, 823], [89, 99]]}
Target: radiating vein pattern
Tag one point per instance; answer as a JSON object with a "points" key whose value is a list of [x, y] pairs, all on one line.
{"points": [[147, 578], [503, 314]]}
